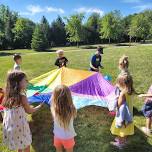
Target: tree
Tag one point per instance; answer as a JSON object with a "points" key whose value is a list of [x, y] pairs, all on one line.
{"points": [[39, 41], [58, 32], [7, 19], [74, 28], [92, 28], [126, 21], [140, 25], [111, 26], [23, 31], [45, 29]]}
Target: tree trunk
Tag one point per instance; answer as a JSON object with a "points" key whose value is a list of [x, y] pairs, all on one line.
{"points": [[130, 41], [78, 44], [109, 40]]}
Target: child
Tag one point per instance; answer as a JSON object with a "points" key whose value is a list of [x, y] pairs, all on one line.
{"points": [[64, 113], [16, 131], [123, 115], [95, 63], [61, 61], [123, 65], [18, 61], [147, 111], [126, 86]]}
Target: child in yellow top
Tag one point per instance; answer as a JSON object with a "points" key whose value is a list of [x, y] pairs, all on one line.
{"points": [[126, 88]]}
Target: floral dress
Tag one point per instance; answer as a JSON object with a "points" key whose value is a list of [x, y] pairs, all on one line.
{"points": [[16, 131]]}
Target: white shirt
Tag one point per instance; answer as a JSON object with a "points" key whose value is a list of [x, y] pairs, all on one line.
{"points": [[17, 66], [61, 133]]}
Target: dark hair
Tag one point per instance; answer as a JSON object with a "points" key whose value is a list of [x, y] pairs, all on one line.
{"points": [[16, 57], [12, 90], [100, 49]]}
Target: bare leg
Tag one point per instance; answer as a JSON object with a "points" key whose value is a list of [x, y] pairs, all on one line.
{"points": [[148, 123], [27, 149], [69, 150], [19, 150], [122, 140], [60, 149]]}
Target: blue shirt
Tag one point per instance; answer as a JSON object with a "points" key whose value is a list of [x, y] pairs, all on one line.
{"points": [[96, 61]]}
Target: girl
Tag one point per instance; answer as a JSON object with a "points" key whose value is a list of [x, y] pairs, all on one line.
{"points": [[123, 65], [64, 112], [16, 131], [147, 111], [123, 115], [125, 98]]}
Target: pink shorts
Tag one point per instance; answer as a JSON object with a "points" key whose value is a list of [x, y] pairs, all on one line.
{"points": [[67, 144]]}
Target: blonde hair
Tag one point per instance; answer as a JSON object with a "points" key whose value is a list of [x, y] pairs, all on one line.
{"points": [[59, 51], [123, 62], [62, 106], [125, 82], [12, 90]]}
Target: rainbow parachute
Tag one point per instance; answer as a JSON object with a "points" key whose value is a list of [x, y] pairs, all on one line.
{"points": [[88, 88]]}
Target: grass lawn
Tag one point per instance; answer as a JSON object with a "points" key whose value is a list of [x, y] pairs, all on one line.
{"points": [[93, 123]]}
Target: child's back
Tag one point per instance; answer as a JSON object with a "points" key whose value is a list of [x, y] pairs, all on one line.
{"points": [[63, 112], [60, 132]]}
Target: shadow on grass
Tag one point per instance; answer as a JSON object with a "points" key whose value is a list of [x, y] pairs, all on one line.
{"points": [[6, 54], [93, 132], [48, 50], [122, 44], [137, 112]]}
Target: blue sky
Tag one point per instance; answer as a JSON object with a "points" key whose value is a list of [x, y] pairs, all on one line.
{"points": [[35, 9]]}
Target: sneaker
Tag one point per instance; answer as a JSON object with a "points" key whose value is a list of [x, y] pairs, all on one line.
{"points": [[146, 131], [117, 144]]}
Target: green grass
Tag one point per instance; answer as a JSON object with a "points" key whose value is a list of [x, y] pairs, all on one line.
{"points": [[93, 123]]}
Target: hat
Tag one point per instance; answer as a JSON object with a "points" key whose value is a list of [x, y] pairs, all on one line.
{"points": [[100, 49]]}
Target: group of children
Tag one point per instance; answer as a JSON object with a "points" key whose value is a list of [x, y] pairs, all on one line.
{"points": [[16, 131]]}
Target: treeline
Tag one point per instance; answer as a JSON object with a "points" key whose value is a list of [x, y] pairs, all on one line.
{"points": [[18, 32]]}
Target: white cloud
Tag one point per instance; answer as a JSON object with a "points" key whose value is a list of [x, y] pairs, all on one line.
{"points": [[89, 10], [131, 1], [143, 7], [52, 9], [35, 9]]}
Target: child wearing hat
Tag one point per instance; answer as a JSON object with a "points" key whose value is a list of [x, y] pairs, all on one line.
{"points": [[61, 61], [96, 60]]}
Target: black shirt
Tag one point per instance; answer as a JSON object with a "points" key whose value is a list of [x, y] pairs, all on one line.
{"points": [[60, 62]]}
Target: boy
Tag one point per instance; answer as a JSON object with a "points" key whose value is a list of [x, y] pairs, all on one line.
{"points": [[61, 60], [95, 63], [18, 60]]}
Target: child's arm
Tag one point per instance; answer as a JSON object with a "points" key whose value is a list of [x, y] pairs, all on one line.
{"points": [[121, 99], [27, 107], [57, 62], [101, 63], [145, 95]]}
